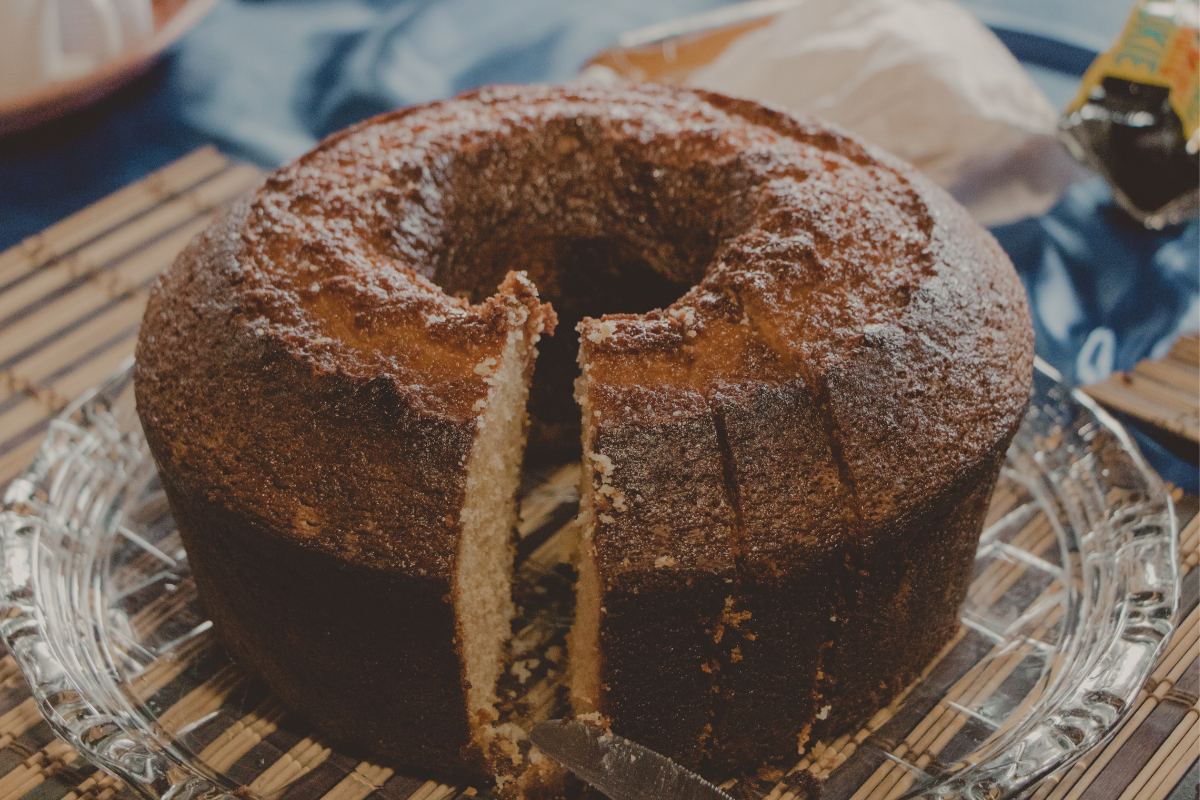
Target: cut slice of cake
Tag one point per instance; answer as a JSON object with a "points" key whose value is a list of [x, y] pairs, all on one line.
{"points": [[486, 547]]}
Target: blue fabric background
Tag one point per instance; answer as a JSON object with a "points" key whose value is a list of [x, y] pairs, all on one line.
{"points": [[264, 79]]}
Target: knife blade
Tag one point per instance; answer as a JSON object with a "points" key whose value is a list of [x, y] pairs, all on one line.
{"points": [[622, 769]]}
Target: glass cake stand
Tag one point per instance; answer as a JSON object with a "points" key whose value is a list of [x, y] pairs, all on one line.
{"points": [[1073, 599]]}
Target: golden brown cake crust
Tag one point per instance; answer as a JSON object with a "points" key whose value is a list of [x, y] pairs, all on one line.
{"points": [[842, 359], [319, 507], [862, 352]]}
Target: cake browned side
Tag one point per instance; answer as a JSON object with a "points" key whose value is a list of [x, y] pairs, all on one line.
{"points": [[319, 507], [855, 363], [802, 364]]}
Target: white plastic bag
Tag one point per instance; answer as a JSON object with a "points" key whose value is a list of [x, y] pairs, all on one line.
{"points": [[924, 80]]}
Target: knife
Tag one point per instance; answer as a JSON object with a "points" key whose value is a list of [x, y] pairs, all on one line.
{"points": [[621, 769]]}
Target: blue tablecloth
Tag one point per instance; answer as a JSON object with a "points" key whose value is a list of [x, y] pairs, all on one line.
{"points": [[264, 79]]}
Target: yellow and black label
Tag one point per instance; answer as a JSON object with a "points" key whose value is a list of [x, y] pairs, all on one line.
{"points": [[1160, 46]]}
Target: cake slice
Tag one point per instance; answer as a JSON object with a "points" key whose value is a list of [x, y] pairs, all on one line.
{"points": [[482, 581], [656, 563]]}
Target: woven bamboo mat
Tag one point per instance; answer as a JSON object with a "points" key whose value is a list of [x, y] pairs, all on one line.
{"points": [[71, 299]]}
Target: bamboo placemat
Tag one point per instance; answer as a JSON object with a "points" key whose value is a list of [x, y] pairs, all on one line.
{"points": [[71, 299], [1161, 392]]}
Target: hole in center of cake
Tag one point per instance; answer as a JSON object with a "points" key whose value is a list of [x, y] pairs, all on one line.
{"points": [[580, 278], [606, 225]]}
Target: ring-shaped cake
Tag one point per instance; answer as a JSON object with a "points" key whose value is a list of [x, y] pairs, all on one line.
{"points": [[800, 366]]}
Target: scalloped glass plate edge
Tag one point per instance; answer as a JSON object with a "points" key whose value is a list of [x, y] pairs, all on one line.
{"points": [[61, 477], [1113, 518]]}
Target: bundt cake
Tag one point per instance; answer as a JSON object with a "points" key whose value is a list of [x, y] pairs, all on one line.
{"points": [[800, 366]]}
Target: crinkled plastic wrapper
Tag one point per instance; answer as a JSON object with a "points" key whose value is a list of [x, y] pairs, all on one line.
{"points": [[1136, 116]]}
